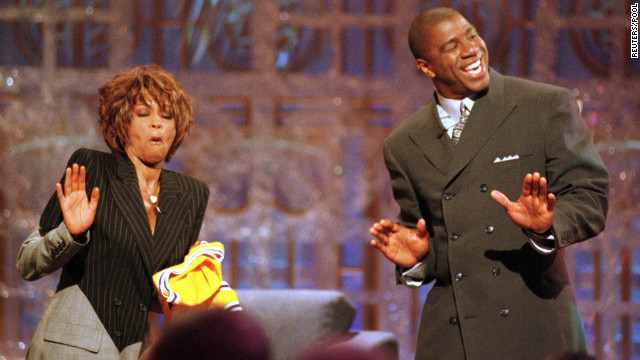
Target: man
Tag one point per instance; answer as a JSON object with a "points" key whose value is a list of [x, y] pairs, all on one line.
{"points": [[501, 287]]}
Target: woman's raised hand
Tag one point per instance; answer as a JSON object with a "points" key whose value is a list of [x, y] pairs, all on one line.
{"points": [[78, 212]]}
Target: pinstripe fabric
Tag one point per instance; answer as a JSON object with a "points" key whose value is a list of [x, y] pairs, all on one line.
{"points": [[114, 270]]}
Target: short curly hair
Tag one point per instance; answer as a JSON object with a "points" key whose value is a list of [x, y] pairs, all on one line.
{"points": [[145, 83]]}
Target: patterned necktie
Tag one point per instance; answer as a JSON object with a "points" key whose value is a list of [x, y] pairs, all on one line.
{"points": [[457, 129]]}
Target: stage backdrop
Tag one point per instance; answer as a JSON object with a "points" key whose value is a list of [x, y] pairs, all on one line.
{"points": [[292, 101]]}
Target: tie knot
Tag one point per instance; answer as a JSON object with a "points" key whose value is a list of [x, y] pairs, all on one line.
{"points": [[464, 111]]}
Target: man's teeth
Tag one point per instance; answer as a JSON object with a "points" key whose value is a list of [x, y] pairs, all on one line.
{"points": [[473, 68]]}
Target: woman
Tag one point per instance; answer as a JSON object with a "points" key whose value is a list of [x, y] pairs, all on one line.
{"points": [[138, 219]]}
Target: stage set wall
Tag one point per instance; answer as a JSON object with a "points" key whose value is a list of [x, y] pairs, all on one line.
{"points": [[292, 101]]}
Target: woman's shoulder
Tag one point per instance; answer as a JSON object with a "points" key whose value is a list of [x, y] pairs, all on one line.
{"points": [[94, 161], [186, 182], [82, 155]]}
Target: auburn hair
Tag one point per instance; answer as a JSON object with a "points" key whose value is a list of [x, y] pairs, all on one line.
{"points": [[144, 83]]}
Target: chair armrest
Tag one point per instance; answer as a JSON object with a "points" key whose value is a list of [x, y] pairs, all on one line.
{"points": [[383, 341]]}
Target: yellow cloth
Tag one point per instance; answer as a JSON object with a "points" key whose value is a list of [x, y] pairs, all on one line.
{"points": [[196, 283]]}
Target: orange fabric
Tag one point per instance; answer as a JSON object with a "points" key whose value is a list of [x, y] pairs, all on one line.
{"points": [[195, 283]]}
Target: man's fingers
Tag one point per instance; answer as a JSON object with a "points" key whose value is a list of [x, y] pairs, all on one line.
{"points": [[421, 226], [526, 185], [535, 184], [380, 236], [387, 225], [501, 199], [542, 191], [551, 204]]}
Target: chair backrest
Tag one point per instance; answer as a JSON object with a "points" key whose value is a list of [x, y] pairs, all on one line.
{"points": [[296, 319]]}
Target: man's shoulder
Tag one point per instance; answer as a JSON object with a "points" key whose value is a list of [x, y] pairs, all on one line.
{"points": [[529, 88], [416, 120]]}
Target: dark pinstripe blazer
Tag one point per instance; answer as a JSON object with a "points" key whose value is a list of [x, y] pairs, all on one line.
{"points": [[114, 269]]}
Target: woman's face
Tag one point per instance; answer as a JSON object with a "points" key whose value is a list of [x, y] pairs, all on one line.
{"points": [[151, 134]]}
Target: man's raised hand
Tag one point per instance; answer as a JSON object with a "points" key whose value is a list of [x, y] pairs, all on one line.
{"points": [[402, 245]]}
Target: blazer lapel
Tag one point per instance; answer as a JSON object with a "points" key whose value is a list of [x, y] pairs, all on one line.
{"points": [[126, 193], [172, 212], [487, 115], [430, 137]]}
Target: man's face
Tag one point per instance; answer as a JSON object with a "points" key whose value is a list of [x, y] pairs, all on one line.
{"points": [[456, 58]]}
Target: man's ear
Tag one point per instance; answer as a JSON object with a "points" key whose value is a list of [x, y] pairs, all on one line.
{"points": [[425, 67]]}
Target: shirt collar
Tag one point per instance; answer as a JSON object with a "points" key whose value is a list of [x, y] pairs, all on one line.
{"points": [[452, 106]]}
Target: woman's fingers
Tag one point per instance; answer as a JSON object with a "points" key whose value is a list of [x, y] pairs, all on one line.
{"points": [[81, 179], [67, 181], [95, 196], [59, 193]]}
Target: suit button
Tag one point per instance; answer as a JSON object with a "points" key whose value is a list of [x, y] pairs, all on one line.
{"points": [[489, 229], [448, 196], [118, 302], [459, 276], [117, 333], [454, 237], [484, 188], [453, 320], [142, 307], [504, 312], [495, 271]]}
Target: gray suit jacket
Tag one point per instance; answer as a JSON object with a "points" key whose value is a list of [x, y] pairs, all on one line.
{"points": [[113, 264], [494, 296]]}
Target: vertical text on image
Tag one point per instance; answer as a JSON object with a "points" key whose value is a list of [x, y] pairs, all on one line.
{"points": [[634, 31]]}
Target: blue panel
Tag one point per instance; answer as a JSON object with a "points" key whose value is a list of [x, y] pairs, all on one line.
{"points": [[171, 39], [95, 45], [27, 40], [143, 51], [351, 281], [377, 7], [353, 164], [584, 275], [357, 321], [352, 253], [353, 48], [172, 9], [569, 66], [635, 276], [382, 54], [278, 255]]}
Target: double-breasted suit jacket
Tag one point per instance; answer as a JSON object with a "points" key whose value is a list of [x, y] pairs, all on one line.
{"points": [[113, 263], [494, 296]]}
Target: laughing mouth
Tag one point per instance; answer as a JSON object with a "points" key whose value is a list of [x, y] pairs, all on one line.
{"points": [[474, 69]]}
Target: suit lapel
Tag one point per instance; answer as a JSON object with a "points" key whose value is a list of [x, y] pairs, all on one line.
{"points": [[154, 249], [487, 115], [431, 140], [126, 193], [172, 212]]}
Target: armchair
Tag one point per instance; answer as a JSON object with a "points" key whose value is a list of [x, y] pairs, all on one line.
{"points": [[294, 320]]}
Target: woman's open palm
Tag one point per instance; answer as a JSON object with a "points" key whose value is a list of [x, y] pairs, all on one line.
{"points": [[78, 212]]}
